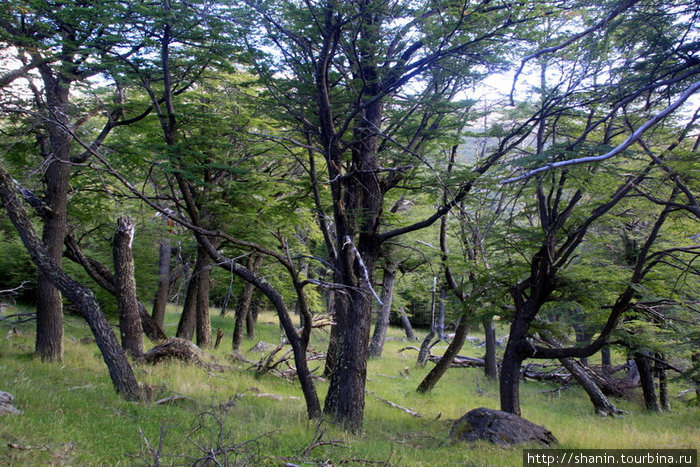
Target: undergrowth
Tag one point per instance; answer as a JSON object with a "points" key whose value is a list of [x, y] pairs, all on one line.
{"points": [[71, 415]]}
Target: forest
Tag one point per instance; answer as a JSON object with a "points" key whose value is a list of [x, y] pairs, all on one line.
{"points": [[490, 194]]}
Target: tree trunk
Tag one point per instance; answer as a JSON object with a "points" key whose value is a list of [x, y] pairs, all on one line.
{"points": [[453, 349], [407, 325], [660, 370], [345, 400], [243, 305], [602, 404], [188, 319], [605, 358], [442, 305], [334, 300], [490, 363], [376, 346], [424, 351], [105, 279], [49, 323], [129, 320], [252, 316], [161, 298], [646, 377], [120, 371], [203, 322]]}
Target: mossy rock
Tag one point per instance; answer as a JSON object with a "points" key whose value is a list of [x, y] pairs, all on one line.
{"points": [[501, 428]]}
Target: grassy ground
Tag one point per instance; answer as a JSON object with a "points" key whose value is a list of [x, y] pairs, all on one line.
{"points": [[71, 415]]}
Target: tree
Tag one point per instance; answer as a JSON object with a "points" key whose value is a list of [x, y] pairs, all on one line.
{"points": [[559, 198], [66, 47], [367, 86], [120, 371]]}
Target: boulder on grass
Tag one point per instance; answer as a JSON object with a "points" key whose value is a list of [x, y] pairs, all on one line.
{"points": [[497, 427]]}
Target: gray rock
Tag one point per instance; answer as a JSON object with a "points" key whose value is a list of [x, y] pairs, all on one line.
{"points": [[501, 428]]}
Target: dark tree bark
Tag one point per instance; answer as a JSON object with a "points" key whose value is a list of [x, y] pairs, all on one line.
{"points": [[120, 371], [188, 320], [453, 349], [490, 363], [129, 320], [334, 300], [646, 377], [243, 305], [605, 358], [203, 322], [49, 323], [660, 370], [252, 316], [161, 298], [376, 346]]}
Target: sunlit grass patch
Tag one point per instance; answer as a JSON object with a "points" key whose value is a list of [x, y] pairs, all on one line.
{"points": [[73, 417]]}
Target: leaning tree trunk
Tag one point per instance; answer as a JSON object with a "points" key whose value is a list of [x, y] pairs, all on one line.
{"points": [[120, 371], [646, 377], [406, 323], [129, 320], [376, 346], [453, 349], [602, 404], [161, 298]]}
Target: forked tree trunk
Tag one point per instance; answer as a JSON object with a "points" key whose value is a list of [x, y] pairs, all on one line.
{"points": [[120, 371], [129, 320], [161, 298]]}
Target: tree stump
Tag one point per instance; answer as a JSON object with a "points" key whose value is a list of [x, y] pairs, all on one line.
{"points": [[501, 428]]}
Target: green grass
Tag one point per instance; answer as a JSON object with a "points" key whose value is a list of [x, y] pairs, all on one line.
{"points": [[72, 416]]}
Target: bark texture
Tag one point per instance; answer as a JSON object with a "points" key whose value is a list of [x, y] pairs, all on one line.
{"points": [[129, 320]]}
